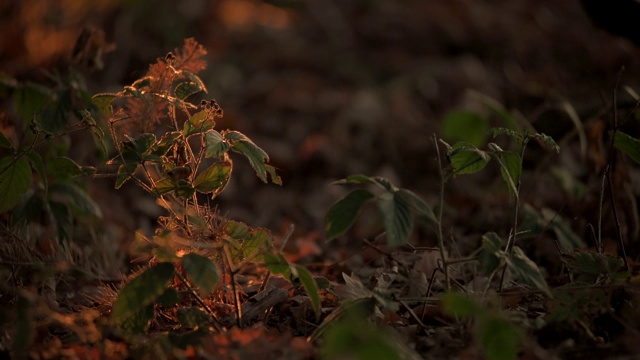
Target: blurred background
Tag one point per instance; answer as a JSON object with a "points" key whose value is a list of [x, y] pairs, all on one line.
{"points": [[331, 88]]}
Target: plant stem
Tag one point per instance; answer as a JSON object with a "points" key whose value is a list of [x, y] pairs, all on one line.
{"points": [[443, 253]]}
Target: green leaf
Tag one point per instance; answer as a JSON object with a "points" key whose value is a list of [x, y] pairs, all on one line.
{"points": [[589, 262], [526, 270], [277, 264], [311, 289], [342, 215], [139, 321], [497, 337], [275, 178], [142, 291], [15, 180], [76, 197], [55, 116], [256, 156], [216, 144], [192, 317], [259, 240], [164, 186], [165, 143], [186, 89], [425, 213], [38, 165], [511, 169], [397, 218], [628, 145], [200, 122], [103, 102], [465, 126], [567, 238], [236, 229], [31, 99], [169, 298], [201, 271], [458, 304], [63, 167], [123, 175], [195, 79], [383, 183], [467, 159], [491, 253], [213, 179], [5, 142]]}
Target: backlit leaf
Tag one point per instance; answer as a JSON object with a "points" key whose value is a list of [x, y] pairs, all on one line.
{"points": [[213, 179], [256, 156], [201, 271], [198, 123], [425, 213], [216, 144], [142, 291], [103, 102], [342, 215], [277, 264]]}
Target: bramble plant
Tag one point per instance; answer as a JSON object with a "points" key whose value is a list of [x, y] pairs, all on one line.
{"points": [[195, 249]]}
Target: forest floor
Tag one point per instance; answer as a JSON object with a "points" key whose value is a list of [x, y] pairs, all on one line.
{"points": [[331, 88]]}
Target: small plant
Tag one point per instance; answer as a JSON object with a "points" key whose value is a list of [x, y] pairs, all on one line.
{"points": [[185, 166]]}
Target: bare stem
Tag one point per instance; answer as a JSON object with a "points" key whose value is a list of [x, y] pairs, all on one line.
{"points": [[443, 253]]}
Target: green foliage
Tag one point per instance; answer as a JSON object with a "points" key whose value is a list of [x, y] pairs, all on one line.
{"points": [[201, 271], [15, 180], [396, 206], [628, 145], [498, 338], [136, 296]]}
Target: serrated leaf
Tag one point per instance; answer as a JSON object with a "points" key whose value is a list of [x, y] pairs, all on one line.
{"points": [[216, 144], [5, 142], [186, 89], [526, 270], [458, 304], [256, 156], [425, 213], [76, 197], [142, 291], [165, 143], [467, 159], [213, 179], [628, 145], [592, 263], [201, 271], [311, 288], [200, 122], [38, 165], [466, 126], [397, 218], [342, 215], [195, 79], [258, 241], [275, 178], [511, 169], [498, 338], [277, 264], [123, 175], [164, 186], [103, 102], [236, 229], [192, 317], [15, 180]]}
